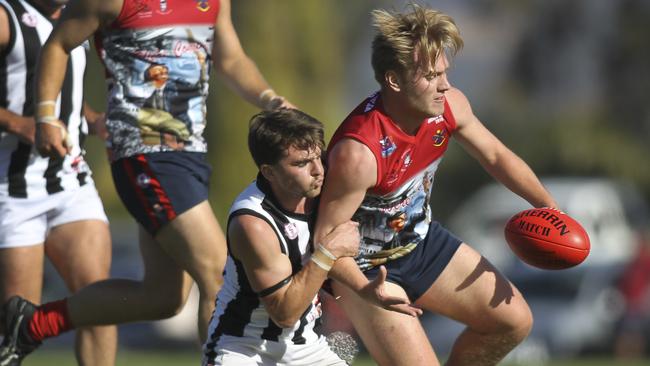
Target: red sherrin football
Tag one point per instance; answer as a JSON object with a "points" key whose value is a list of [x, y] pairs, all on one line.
{"points": [[547, 238]]}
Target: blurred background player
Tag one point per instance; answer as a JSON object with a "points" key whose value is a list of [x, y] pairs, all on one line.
{"points": [[160, 173], [48, 206], [381, 160]]}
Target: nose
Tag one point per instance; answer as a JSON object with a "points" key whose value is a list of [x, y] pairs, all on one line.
{"points": [[444, 85], [317, 168]]}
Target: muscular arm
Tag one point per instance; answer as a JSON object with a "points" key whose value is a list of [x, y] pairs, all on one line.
{"points": [[4, 29], [79, 20], [352, 171], [23, 127], [256, 245], [497, 159], [239, 71]]}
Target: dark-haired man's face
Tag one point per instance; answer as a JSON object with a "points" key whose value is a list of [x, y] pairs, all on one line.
{"points": [[299, 174]]}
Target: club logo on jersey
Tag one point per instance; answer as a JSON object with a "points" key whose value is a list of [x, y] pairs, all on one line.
{"points": [[163, 7], [387, 146], [202, 5], [440, 137], [143, 180], [291, 231], [29, 20]]}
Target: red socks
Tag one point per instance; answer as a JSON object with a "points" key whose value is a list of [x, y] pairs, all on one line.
{"points": [[50, 320]]}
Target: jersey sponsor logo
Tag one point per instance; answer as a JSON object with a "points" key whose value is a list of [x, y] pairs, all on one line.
{"points": [[29, 20], [291, 231], [387, 146], [182, 47], [202, 5], [440, 137], [436, 119]]}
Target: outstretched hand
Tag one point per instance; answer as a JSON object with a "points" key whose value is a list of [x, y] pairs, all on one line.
{"points": [[375, 293]]}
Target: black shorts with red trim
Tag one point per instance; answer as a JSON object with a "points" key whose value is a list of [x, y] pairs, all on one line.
{"points": [[157, 187]]}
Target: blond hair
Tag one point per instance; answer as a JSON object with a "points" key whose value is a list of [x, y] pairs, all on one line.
{"points": [[423, 32]]}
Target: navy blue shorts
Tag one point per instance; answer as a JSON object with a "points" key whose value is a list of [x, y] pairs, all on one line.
{"points": [[157, 187], [418, 270]]}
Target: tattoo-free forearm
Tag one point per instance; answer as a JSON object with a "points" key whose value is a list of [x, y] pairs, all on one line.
{"points": [[287, 306], [50, 72]]}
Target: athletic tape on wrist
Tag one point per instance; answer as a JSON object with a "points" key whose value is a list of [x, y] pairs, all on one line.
{"points": [[264, 92], [325, 266], [326, 252], [323, 257], [46, 110]]}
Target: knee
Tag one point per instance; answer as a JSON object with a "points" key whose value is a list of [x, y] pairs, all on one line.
{"points": [[519, 323]]}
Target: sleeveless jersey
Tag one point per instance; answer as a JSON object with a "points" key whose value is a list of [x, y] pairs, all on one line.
{"points": [[157, 55], [394, 216], [239, 311], [23, 172]]}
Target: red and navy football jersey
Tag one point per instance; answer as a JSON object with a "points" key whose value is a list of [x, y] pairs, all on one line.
{"points": [[394, 216], [157, 55]]}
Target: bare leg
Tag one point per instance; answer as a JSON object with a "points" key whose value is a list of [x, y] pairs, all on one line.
{"points": [[81, 253], [21, 273], [472, 291], [160, 294], [393, 339], [197, 244], [193, 242]]}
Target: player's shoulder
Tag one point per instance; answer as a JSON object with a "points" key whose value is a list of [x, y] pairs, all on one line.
{"points": [[5, 27], [248, 234], [351, 150], [459, 104], [456, 98], [363, 123], [250, 224], [352, 163]]}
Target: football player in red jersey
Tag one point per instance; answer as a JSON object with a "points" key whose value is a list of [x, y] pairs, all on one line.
{"points": [[381, 162], [158, 153]]}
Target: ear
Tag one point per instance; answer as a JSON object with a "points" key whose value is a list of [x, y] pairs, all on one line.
{"points": [[392, 80], [267, 172]]}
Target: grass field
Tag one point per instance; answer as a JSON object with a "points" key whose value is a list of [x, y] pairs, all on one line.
{"points": [[151, 358]]}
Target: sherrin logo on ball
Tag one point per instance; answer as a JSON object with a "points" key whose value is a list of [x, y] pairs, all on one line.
{"points": [[547, 238]]}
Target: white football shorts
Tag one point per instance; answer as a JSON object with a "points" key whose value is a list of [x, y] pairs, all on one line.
{"points": [[25, 221], [240, 351]]}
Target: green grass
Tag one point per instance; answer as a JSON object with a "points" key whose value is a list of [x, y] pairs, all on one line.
{"points": [[182, 358]]}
